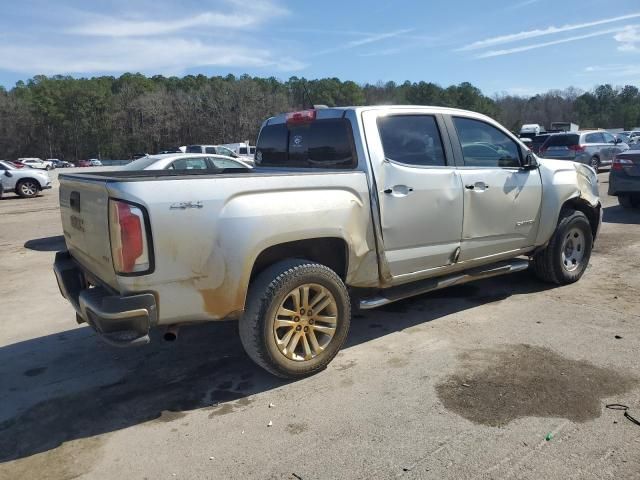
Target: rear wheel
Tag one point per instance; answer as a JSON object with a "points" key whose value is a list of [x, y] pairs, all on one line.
{"points": [[595, 163], [297, 318], [567, 255], [27, 188]]}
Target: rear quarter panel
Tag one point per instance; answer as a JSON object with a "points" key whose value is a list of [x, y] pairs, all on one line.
{"points": [[204, 253]]}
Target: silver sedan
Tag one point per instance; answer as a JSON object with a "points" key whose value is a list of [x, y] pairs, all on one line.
{"points": [[185, 161]]}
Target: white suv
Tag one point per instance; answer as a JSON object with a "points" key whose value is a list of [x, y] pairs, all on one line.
{"points": [[37, 163]]}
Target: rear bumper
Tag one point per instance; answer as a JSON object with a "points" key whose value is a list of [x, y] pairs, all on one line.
{"points": [[623, 183], [120, 320]]}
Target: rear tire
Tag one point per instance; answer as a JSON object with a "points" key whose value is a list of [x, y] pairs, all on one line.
{"points": [[595, 163], [567, 255], [27, 188], [279, 332]]}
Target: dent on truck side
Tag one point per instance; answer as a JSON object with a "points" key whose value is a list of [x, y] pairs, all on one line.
{"points": [[563, 182], [206, 255]]}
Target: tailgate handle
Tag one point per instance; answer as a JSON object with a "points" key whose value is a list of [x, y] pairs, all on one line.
{"points": [[74, 201]]}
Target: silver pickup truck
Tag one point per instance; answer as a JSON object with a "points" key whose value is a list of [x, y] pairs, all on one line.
{"points": [[346, 208]]}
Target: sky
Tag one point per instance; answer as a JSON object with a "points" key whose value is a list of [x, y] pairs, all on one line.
{"points": [[518, 47]]}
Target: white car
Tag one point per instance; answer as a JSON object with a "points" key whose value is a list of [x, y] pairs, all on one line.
{"points": [[25, 182], [37, 163], [185, 161]]}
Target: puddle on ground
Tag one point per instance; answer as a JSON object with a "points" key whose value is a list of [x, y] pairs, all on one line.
{"points": [[496, 386]]}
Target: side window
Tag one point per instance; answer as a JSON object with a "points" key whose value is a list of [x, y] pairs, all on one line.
{"points": [[483, 145], [194, 149], [224, 163], [594, 138], [243, 151], [412, 139], [225, 151], [608, 138], [189, 164], [210, 150]]}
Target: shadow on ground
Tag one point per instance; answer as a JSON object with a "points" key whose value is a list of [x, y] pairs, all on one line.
{"points": [[46, 244], [70, 385], [617, 214]]}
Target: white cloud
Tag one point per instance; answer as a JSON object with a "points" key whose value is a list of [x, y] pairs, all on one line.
{"points": [[166, 55], [616, 70], [514, 37], [629, 39], [141, 25], [378, 37], [524, 48]]}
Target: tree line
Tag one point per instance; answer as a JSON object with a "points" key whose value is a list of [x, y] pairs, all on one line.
{"points": [[117, 117]]}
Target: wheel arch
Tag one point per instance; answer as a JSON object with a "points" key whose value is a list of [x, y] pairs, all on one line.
{"points": [[592, 213], [332, 252]]}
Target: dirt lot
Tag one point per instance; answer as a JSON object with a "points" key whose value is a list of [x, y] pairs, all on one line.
{"points": [[463, 383]]}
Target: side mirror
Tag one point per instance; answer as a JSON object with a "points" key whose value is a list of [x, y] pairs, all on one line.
{"points": [[529, 162], [617, 141], [7, 173]]}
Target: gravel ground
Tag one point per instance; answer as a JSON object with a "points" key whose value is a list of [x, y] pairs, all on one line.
{"points": [[503, 378]]}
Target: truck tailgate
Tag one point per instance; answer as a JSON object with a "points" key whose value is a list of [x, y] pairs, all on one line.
{"points": [[84, 205]]}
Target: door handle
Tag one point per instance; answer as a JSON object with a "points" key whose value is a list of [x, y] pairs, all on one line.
{"points": [[480, 186], [398, 190]]}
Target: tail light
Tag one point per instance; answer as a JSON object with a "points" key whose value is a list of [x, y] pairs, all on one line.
{"points": [[303, 116], [619, 163], [577, 148], [129, 245]]}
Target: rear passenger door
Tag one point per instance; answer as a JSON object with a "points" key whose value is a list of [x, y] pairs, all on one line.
{"points": [[501, 199], [419, 191]]}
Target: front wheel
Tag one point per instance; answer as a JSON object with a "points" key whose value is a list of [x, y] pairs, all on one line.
{"points": [[297, 318], [567, 255], [595, 163], [27, 188]]}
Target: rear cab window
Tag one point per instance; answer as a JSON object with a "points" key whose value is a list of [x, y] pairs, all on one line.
{"points": [[326, 143]]}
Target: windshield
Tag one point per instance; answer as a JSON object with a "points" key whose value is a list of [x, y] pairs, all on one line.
{"points": [[7, 166], [140, 164]]}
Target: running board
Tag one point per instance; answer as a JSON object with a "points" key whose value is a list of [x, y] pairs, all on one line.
{"points": [[401, 292]]}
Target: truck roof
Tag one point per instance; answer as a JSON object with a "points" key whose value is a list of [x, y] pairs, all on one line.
{"points": [[337, 112]]}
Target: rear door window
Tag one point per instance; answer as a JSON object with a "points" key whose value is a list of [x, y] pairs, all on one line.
{"points": [[318, 144], [199, 163], [194, 149], [594, 138], [210, 150], [483, 145], [562, 141], [412, 140]]}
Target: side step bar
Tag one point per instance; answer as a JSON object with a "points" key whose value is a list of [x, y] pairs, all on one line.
{"points": [[401, 292]]}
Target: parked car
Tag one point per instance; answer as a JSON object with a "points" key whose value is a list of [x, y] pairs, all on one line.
{"points": [[212, 149], [595, 148], [94, 162], [25, 182], [37, 163], [357, 205], [60, 163], [185, 161], [623, 137], [538, 141], [530, 130], [16, 164], [564, 127], [624, 178]]}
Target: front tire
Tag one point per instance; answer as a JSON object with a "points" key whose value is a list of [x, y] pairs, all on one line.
{"points": [[27, 188], [297, 318], [567, 255]]}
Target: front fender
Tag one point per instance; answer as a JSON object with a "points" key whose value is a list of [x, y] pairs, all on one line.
{"points": [[564, 182]]}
